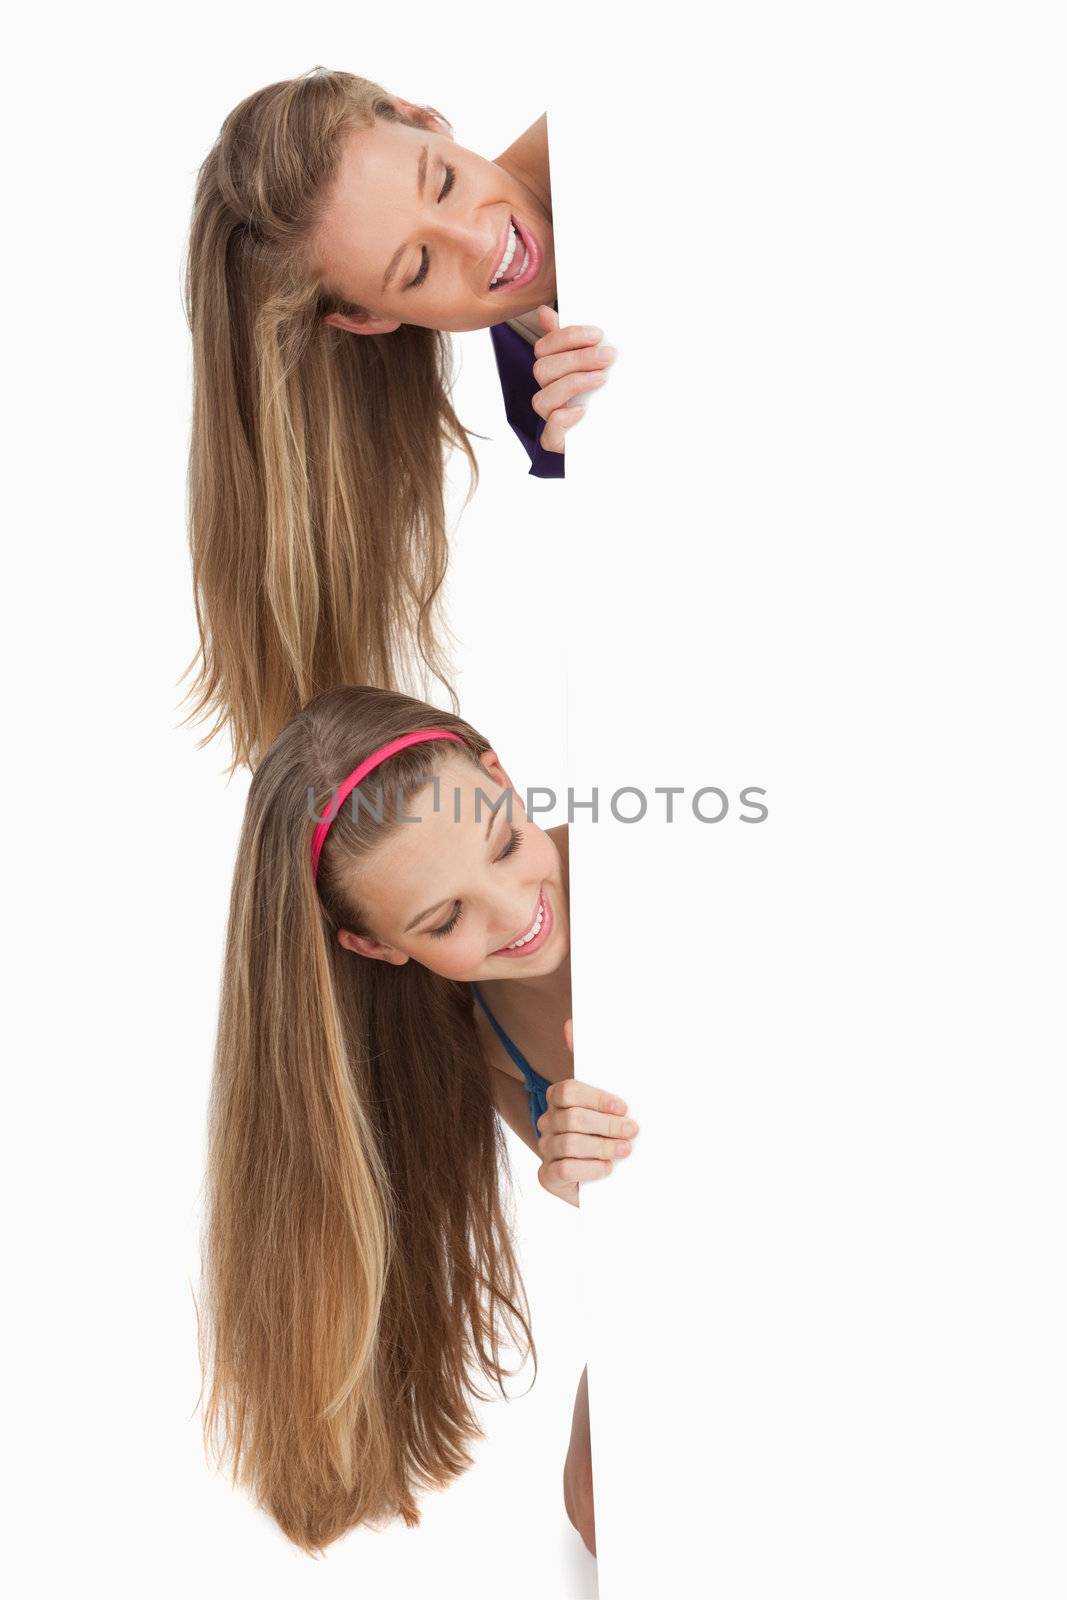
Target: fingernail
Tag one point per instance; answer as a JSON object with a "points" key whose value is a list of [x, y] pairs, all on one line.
{"points": [[606, 352], [629, 1128], [616, 1106], [622, 1149]]}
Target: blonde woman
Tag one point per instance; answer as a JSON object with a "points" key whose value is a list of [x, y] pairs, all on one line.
{"points": [[390, 992], [339, 237]]}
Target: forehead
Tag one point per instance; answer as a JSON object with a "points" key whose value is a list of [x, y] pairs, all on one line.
{"points": [[383, 156], [455, 819], [363, 217]]}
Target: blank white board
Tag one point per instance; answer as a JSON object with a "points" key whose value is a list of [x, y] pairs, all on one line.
{"points": [[817, 523]]}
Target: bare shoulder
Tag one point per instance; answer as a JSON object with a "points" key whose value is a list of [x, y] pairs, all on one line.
{"points": [[561, 836], [492, 1049], [506, 1082]]}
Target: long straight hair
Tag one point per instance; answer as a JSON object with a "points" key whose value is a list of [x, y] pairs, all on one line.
{"points": [[359, 1280], [317, 457]]}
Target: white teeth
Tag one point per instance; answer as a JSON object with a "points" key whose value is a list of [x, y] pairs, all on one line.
{"points": [[513, 244], [534, 931]]}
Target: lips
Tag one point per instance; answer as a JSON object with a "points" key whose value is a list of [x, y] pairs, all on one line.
{"points": [[547, 922], [500, 252], [527, 244]]}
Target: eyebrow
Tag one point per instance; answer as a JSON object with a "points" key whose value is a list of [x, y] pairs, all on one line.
{"points": [[424, 914], [431, 909], [424, 156]]}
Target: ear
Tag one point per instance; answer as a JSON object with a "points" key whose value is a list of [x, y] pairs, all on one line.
{"points": [[491, 762], [425, 116], [362, 945], [337, 319]]}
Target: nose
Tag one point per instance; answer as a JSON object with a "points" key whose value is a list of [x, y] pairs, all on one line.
{"points": [[473, 237], [516, 914]]}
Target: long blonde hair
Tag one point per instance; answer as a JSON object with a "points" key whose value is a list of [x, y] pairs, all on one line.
{"points": [[358, 1267], [317, 458]]}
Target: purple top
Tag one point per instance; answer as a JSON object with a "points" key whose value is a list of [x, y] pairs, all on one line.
{"points": [[514, 362]]}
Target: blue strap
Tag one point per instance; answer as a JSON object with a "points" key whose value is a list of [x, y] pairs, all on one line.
{"points": [[536, 1086]]}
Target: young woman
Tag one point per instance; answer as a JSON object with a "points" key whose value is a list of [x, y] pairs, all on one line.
{"points": [[391, 989], [339, 236]]}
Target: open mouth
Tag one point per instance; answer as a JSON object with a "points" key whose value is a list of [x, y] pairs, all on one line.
{"points": [[533, 937], [519, 260]]}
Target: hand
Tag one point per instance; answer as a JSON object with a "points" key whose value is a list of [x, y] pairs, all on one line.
{"points": [[570, 364], [583, 1133]]}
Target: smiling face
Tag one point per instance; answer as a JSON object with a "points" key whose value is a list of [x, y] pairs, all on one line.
{"points": [[454, 894], [416, 229]]}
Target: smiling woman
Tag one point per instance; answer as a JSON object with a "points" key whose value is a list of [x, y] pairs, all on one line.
{"points": [[339, 236], [464, 242], [359, 1273]]}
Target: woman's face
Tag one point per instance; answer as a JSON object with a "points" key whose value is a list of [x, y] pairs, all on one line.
{"points": [[455, 888], [417, 229]]}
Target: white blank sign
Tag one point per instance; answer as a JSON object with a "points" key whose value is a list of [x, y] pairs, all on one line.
{"points": [[815, 545]]}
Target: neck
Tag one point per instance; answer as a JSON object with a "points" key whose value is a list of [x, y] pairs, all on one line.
{"points": [[527, 160], [561, 838]]}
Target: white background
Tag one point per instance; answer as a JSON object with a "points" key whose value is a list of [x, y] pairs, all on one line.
{"points": [[811, 541]]}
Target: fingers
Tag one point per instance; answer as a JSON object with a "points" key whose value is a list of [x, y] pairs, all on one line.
{"points": [[570, 362], [580, 1119], [557, 1147], [582, 1134], [589, 358], [557, 1175], [565, 391], [568, 1035], [563, 404], [555, 429], [569, 1092], [572, 337], [581, 1123]]}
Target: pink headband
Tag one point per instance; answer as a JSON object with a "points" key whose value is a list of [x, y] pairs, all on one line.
{"points": [[318, 838]]}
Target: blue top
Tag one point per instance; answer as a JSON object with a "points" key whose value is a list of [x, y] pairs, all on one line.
{"points": [[514, 364], [536, 1086]]}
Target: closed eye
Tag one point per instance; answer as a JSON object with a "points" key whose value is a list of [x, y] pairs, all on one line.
{"points": [[420, 276], [446, 188], [439, 933], [509, 849], [512, 844]]}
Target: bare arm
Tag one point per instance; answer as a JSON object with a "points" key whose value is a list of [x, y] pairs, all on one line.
{"points": [[513, 1105]]}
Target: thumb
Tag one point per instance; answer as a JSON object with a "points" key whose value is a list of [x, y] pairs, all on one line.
{"points": [[548, 318], [568, 1034]]}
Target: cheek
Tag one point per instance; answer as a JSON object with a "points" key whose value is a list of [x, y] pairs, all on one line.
{"points": [[351, 261], [456, 955], [547, 858], [456, 308]]}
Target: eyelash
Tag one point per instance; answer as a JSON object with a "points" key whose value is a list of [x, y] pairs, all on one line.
{"points": [[420, 276], [512, 845]]}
